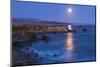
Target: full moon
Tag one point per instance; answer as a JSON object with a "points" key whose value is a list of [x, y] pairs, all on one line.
{"points": [[69, 10]]}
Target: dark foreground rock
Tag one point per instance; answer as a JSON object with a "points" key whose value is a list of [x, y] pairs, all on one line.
{"points": [[22, 58]]}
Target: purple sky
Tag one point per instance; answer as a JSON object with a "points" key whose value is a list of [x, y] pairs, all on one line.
{"points": [[54, 12]]}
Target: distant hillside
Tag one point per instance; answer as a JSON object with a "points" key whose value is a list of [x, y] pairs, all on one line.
{"points": [[37, 21]]}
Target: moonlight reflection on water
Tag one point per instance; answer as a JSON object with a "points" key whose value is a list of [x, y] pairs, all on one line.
{"points": [[69, 41], [69, 45]]}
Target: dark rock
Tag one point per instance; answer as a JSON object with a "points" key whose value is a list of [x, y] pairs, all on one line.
{"points": [[84, 30], [45, 38]]}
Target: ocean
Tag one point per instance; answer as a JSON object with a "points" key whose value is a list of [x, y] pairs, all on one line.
{"points": [[61, 48]]}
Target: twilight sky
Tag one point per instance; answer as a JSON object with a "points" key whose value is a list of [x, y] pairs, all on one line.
{"points": [[54, 12]]}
